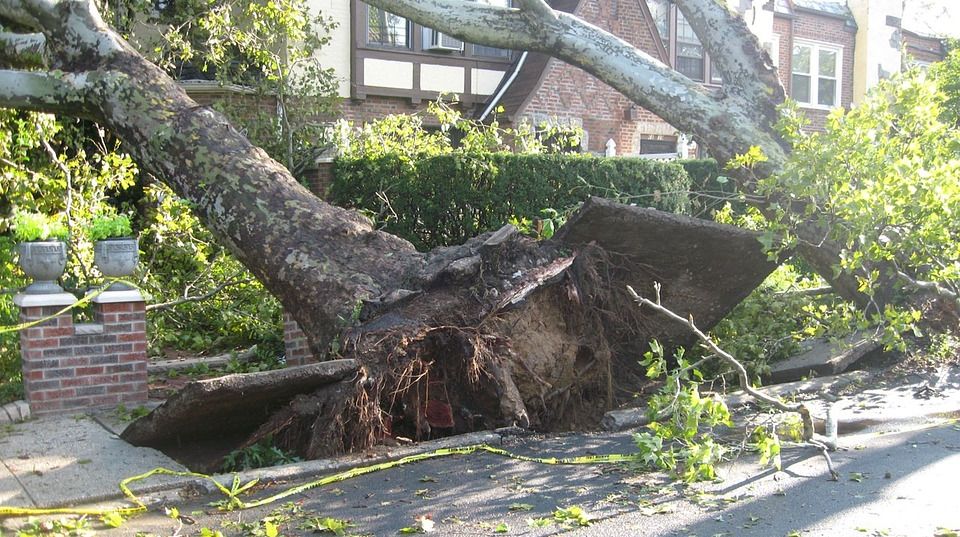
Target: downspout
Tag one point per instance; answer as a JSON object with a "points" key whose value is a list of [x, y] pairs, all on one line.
{"points": [[504, 87]]}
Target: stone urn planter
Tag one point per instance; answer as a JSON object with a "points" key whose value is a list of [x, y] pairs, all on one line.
{"points": [[117, 258], [44, 262], [115, 251], [41, 250]]}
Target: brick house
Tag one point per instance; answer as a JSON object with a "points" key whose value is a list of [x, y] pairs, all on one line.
{"points": [[828, 52]]}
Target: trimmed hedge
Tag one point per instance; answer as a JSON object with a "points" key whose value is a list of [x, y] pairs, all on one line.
{"points": [[703, 173], [447, 199]]}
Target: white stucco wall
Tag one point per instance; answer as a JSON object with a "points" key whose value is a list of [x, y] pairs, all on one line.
{"points": [[877, 50], [336, 53], [442, 78], [485, 81], [388, 74]]}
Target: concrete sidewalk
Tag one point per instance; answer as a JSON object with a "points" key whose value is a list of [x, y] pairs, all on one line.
{"points": [[54, 462]]}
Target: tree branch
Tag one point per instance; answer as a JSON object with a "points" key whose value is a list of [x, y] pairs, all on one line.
{"points": [[539, 9], [16, 12], [746, 68], [727, 357], [52, 92], [22, 50], [198, 298], [924, 285]]}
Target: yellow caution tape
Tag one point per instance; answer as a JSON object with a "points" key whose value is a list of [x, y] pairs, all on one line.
{"points": [[232, 500], [81, 302]]}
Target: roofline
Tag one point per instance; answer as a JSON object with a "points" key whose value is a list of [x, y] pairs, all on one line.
{"points": [[518, 65]]}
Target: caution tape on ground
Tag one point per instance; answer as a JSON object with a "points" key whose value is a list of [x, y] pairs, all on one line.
{"points": [[232, 494], [79, 303]]}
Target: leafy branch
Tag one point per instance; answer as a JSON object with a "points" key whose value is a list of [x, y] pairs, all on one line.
{"points": [[808, 435]]}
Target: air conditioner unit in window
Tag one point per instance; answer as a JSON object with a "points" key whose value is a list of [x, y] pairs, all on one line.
{"points": [[442, 41]]}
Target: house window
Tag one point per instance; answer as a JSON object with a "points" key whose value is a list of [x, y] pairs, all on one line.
{"points": [[657, 147], [686, 52], [815, 78], [690, 56], [386, 29], [492, 52]]}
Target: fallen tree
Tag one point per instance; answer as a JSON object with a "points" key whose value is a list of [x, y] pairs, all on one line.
{"points": [[496, 331]]}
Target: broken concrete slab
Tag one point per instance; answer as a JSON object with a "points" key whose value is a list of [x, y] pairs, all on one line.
{"points": [[824, 357], [14, 412], [214, 409]]}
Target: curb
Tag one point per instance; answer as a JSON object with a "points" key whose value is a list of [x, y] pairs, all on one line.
{"points": [[14, 412], [289, 472], [152, 495]]}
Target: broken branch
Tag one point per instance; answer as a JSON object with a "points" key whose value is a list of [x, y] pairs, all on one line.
{"points": [[729, 359]]}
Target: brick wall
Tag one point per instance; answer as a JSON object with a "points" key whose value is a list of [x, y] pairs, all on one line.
{"points": [[924, 49], [375, 107], [569, 92], [320, 179], [71, 367], [783, 26], [295, 343]]}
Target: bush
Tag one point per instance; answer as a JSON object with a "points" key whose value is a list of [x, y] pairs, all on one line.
{"points": [[447, 199], [109, 226], [38, 227]]}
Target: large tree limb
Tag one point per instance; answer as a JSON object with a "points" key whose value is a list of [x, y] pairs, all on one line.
{"points": [[63, 93], [22, 50], [747, 71], [14, 12]]}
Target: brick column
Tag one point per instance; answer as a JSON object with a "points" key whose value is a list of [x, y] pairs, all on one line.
{"points": [[295, 343], [68, 367]]}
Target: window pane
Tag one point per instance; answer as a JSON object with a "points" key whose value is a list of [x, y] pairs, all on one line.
{"points": [[689, 51], [801, 59], [828, 63], [656, 147], [715, 74], [692, 68], [493, 52], [685, 32], [385, 28], [800, 88], [826, 92]]}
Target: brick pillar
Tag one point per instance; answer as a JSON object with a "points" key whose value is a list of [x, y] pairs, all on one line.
{"points": [[320, 177], [295, 343], [68, 367]]}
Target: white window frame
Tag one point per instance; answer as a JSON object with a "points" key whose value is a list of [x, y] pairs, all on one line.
{"points": [[814, 74]]}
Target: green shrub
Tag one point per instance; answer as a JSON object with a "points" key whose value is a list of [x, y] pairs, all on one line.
{"points": [[447, 199], [38, 227], [703, 173], [109, 226]]}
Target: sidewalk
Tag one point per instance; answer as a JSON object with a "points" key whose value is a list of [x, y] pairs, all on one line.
{"points": [[54, 462], [899, 463]]}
